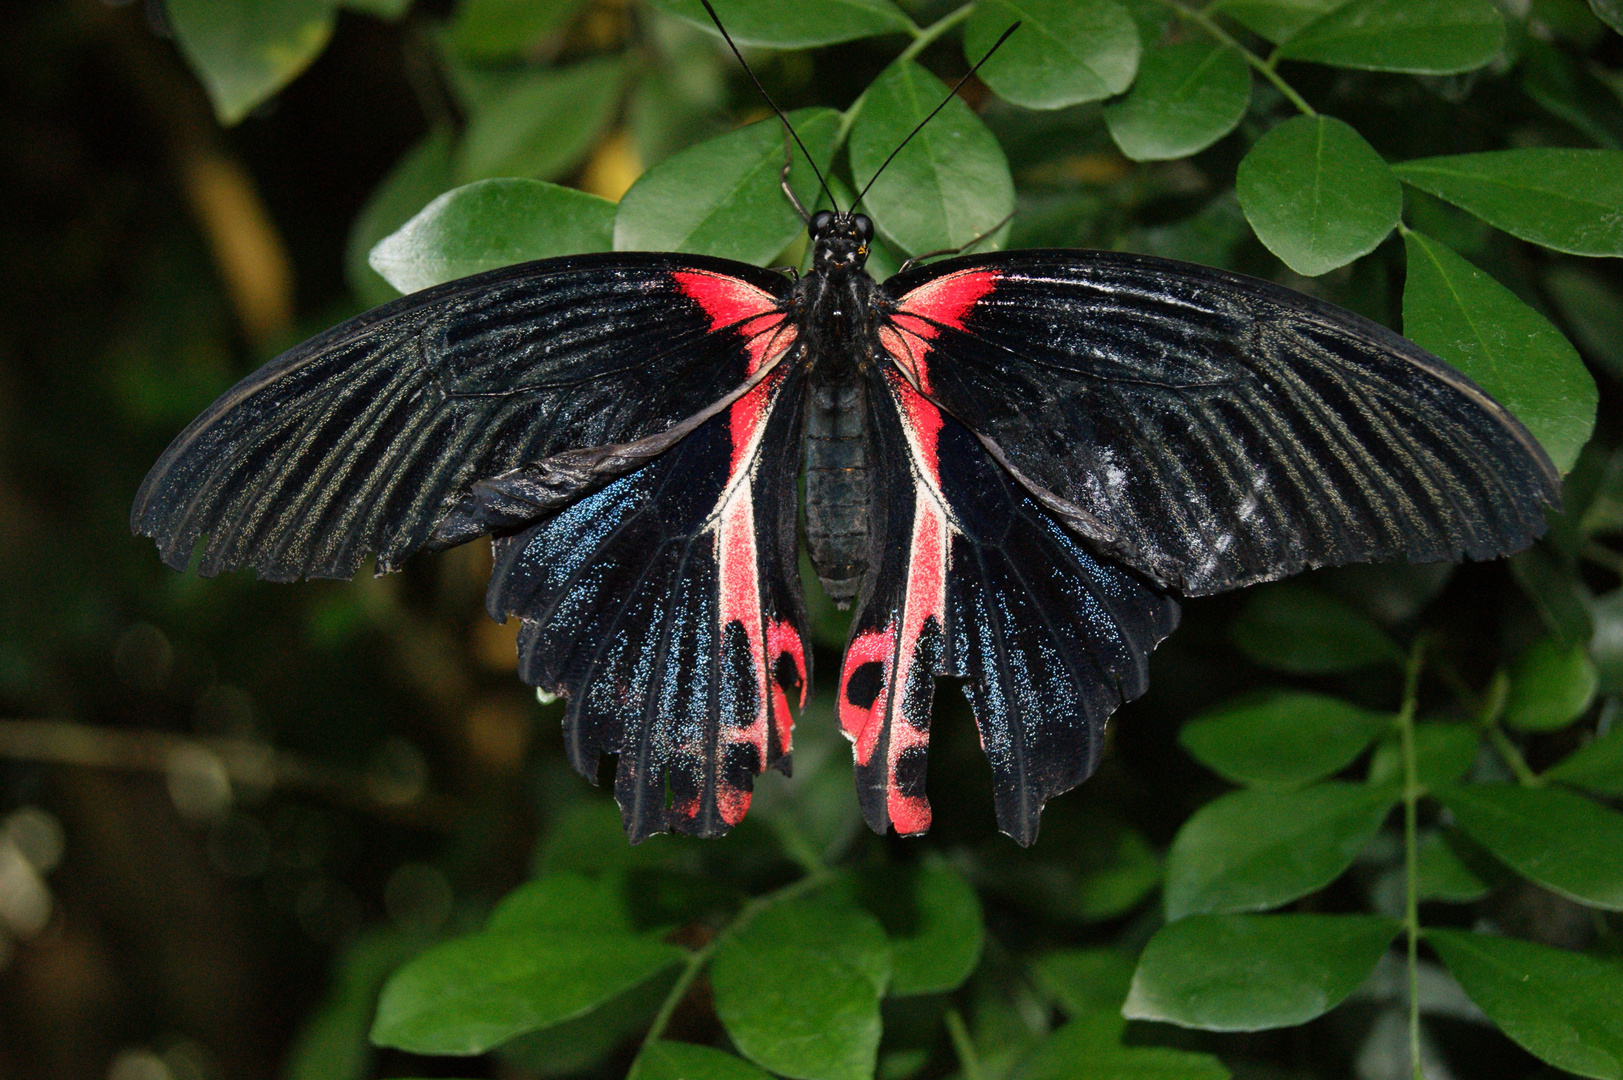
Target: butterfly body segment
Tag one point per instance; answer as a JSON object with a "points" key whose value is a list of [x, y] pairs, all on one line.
{"points": [[1011, 461]]}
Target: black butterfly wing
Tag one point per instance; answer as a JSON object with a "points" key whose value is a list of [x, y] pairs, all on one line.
{"points": [[1213, 430], [373, 435], [971, 577], [665, 608]]}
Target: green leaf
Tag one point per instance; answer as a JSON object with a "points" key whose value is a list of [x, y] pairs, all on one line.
{"points": [[1444, 751], [1440, 874], [1295, 628], [541, 124], [1562, 841], [798, 989], [468, 995], [577, 1045], [794, 24], [1251, 850], [1186, 97], [1317, 194], [722, 197], [665, 1060], [1569, 200], [949, 185], [1511, 351], [1421, 37], [1252, 972], [1609, 12], [1284, 740], [933, 920], [491, 223], [1085, 981], [498, 29], [332, 1045], [563, 901], [247, 50], [1551, 685], [1593, 311], [413, 183], [1065, 52], [1598, 766], [1276, 20], [1560, 1006], [1091, 1050]]}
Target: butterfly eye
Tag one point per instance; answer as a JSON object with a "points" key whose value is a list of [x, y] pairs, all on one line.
{"points": [[820, 222], [863, 226]]}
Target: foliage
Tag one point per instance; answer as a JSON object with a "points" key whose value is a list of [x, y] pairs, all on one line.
{"points": [[1412, 754]]}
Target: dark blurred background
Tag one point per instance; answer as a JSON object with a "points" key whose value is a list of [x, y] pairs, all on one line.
{"points": [[228, 807]]}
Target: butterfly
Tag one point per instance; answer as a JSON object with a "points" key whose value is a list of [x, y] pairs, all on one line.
{"points": [[1013, 463]]}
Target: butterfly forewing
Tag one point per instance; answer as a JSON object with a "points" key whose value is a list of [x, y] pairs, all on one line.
{"points": [[1212, 430], [366, 438]]}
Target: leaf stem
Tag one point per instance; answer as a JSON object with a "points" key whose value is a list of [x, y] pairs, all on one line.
{"points": [[969, 1062], [922, 39], [700, 957], [1263, 67], [1525, 776], [1411, 848]]}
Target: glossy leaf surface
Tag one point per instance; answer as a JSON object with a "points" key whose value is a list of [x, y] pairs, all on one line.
{"points": [[1564, 842], [1186, 97], [1560, 1006], [794, 24], [476, 992], [666, 1060], [1597, 766], [247, 50], [1466, 317], [1066, 51], [948, 185], [1551, 685], [541, 124], [492, 223], [1252, 972], [798, 989], [1253, 850], [1317, 194], [1421, 37], [1569, 200], [722, 197], [1283, 741]]}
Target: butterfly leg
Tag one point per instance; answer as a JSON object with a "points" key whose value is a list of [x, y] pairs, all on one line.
{"points": [[957, 250]]}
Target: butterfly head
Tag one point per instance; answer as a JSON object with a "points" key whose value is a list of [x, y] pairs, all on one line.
{"points": [[840, 239]]}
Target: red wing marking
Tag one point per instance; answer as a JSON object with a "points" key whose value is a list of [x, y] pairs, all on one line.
{"points": [[739, 575], [923, 312], [904, 723], [754, 313]]}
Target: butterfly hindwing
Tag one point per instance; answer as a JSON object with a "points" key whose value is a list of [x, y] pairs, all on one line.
{"points": [[1213, 430], [664, 607], [372, 436], [972, 578]]}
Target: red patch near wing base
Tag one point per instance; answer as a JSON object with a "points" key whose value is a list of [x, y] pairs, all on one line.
{"points": [[753, 312], [922, 313]]}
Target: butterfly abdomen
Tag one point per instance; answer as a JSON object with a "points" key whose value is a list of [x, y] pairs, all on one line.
{"points": [[837, 485]]}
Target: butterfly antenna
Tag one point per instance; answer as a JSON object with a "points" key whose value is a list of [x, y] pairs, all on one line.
{"points": [[920, 127], [728, 38]]}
